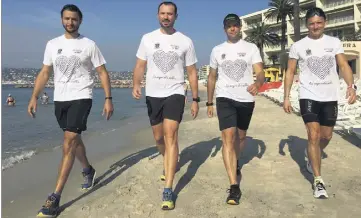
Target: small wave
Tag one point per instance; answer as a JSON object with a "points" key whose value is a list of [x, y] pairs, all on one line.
{"points": [[11, 161]]}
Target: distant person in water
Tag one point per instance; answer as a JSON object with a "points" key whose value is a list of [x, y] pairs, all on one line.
{"points": [[10, 101], [44, 98]]}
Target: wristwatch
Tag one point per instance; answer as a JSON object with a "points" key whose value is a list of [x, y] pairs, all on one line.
{"points": [[209, 104], [110, 98], [197, 99], [353, 86]]}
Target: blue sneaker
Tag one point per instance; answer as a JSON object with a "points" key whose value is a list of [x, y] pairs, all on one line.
{"points": [[50, 208], [89, 179], [168, 202]]}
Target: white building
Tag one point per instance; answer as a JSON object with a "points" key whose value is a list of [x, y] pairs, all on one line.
{"points": [[343, 19], [203, 72]]}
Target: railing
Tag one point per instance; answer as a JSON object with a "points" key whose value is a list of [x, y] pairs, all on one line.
{"points": [[340, 19], [272, 48], [336, 4], [271, 21]]}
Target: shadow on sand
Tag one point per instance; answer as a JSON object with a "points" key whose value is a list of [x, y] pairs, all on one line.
{"points": [[198, 153], [296, 147], [114, 171]]}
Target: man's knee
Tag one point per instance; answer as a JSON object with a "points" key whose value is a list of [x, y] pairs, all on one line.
{"points": [[159, 139], [326, 137], [241, 136], [229, 138], [314, 136], [71, 141]]}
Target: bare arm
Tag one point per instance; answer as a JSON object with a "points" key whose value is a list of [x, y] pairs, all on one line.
{"points": [[258, 69], [345, 69], [104, 79], [290, 73], [138, 72], [41, 80], [211, 84], [193, 79]]}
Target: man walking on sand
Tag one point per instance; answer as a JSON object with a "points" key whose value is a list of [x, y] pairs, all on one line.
{"points": [[72, 57], [165, 52], [235, 61], [318, 56]]}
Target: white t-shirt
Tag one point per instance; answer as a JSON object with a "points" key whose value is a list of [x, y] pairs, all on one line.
{"points": [[319, 80], [73, 61], [234, 62], [166, 57]]}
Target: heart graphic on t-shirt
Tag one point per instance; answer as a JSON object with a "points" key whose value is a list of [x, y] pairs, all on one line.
{"points": [[234, 69], [165, 61], [320, 66], [68, 65]]}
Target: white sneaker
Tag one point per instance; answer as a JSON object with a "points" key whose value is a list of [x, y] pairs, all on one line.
{"points": [[319, 190], [308, 163]]}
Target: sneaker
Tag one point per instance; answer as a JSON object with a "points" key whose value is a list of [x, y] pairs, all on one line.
{"points": [[89, 179], [168, 203], [50, 208], [234, 195], [319, 190], [162, 177], [308, 163]]}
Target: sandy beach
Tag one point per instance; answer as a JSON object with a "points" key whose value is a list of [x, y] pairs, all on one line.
{"points": [[275, 182]]}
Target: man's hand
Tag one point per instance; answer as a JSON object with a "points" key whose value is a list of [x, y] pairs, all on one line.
{"points": [[108, 109], [351, 95], [194, 109], [287, 107], [32, 107], [137, 92], [253, 89], [210, 111]]}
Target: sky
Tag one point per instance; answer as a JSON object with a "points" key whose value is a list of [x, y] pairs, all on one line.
{"points": [[115, 25]]}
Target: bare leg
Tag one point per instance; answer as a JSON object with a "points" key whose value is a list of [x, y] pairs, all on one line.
{"points": [[314, 151], [159, 137], [81, 153], [69, 151], [229, 154], [240, 142], [171, 150], [326, 135]]}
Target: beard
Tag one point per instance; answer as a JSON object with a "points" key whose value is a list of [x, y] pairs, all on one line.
{"points": [[170, 24], [73, 30]]}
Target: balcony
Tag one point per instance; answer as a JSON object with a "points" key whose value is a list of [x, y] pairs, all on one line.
{"points": [[332, 22], [272, 48], [272, 21], [306, 1], [337, 5]]}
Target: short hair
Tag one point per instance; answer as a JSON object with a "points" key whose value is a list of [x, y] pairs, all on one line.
{"points": [[315, 12], [169, 3], [72, 8]]}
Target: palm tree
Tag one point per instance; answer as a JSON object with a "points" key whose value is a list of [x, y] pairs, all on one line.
{"points": [[281, 9], [296, 20], [262, 35], [356, 36]]}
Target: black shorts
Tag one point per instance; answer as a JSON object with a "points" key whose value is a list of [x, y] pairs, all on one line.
{"points": [[171, 107], [324, 113], [72, 116], [232, 113]]}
